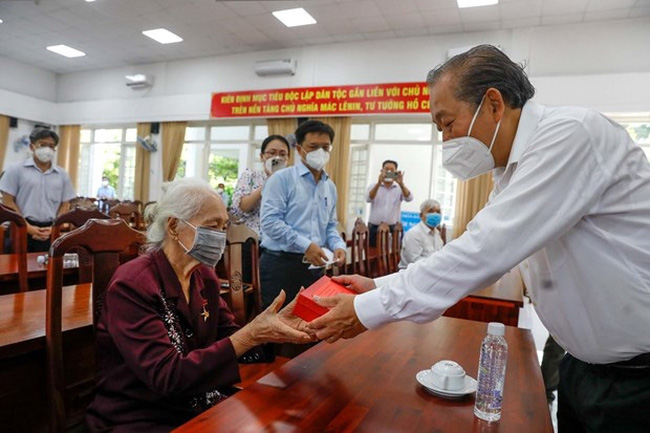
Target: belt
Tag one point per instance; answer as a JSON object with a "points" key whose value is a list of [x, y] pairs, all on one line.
{"points": [[639, 361], [39, 223], [284, 255]]}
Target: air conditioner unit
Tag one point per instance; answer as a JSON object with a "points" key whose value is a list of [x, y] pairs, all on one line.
{"points": [[138, 81], [276, 67]]}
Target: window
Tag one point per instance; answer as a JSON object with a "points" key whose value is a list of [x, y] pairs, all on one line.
{"points": [[220, 153], [107, 152], [416, 146]]}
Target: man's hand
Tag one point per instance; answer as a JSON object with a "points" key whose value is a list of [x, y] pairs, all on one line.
{"points": [[339, 256], [340, 322], [382, 177], [400, 178], [315, 255], [39, 233], [356, 283]]}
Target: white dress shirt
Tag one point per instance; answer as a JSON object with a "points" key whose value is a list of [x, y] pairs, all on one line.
{"points": [[418, 243], [572, 204], [386, 206]]}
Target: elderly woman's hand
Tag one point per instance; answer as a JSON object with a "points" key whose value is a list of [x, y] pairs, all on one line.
{"points": [[272, 326]]}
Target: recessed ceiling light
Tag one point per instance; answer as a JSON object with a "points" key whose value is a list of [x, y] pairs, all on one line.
{"points": [[66, 51], [163, 36], [1, 21], [89, 1], [294, 17], [475, 3]]}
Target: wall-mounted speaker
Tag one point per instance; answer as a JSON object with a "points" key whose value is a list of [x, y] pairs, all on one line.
{"points": [[155, 127], [13, 122]]}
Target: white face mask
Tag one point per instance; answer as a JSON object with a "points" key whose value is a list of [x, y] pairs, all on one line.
{"points": [[317, 159], [44, 154], [468, 157]]}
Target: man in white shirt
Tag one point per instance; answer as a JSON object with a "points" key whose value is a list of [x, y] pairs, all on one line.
{"points": [[423, 239], [38, 189], [571, 203], [385, 198]]}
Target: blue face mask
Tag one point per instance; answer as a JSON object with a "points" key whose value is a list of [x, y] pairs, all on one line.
{"points": [[433, 219]]}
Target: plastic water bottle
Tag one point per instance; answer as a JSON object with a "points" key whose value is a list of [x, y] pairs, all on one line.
{"points": [[491, 373]]}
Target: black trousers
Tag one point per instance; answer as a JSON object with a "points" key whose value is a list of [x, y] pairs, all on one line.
{"points": [[372, 233], [38, 246], [280, 270], [553, 354], [602, 398]]}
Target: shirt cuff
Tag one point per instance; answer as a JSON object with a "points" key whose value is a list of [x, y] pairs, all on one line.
{"points": [[370, 310], [302, 243], [384, 281]]}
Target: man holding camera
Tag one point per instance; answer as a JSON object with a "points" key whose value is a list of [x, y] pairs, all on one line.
{"points": [[385, 198]]}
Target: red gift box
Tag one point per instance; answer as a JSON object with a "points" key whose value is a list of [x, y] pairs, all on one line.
{"points": [[306, 308]]}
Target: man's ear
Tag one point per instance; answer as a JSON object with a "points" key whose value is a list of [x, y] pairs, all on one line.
{"points": [[495, 103]]}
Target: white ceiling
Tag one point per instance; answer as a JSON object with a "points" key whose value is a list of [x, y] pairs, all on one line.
{"points": [[109, 31]]}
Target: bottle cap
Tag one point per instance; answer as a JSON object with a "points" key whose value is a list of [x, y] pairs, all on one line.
{"points": [[496, 328]]}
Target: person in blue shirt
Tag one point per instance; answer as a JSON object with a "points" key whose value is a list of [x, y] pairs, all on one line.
{"points": [[106, 191], [298, 217]]}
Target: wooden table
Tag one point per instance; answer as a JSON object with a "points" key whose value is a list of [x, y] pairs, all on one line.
{"points": [[23, 404], [368, 384], [498, 303], [36, 273]]}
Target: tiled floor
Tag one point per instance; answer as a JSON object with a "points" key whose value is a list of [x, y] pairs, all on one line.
{"points": [[528, 319]]}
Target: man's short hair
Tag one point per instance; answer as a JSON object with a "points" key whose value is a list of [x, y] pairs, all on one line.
{"points": [[389, 161], [314, 126], [483, 67], [428, 204], [41, 133]]}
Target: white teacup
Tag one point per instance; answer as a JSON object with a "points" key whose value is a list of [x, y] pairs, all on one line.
{"points": [[448, 375]]}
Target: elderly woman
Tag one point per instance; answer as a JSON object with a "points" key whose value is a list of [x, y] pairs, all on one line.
{"points": [[167, 344], [424, 238]]}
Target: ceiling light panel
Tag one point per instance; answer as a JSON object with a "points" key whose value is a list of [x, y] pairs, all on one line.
{"points": [[294, 17], [163, 36], [66, 51], [475, 3]]}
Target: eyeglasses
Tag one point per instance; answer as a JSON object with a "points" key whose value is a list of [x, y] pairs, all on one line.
{"points": [[312, 147], [41, 144], [273, 154]]}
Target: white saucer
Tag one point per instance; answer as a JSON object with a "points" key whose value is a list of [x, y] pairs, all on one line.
{"points": [[424, 378]]}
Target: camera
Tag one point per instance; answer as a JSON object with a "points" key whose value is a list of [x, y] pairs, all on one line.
{"points": [[390, 175]]}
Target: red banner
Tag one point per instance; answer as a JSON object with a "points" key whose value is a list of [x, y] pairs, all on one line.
{"points": [[323, 101]]}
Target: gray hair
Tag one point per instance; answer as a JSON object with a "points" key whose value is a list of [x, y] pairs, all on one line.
{"points": [[428, 204], [182, 199], [483, 67]]}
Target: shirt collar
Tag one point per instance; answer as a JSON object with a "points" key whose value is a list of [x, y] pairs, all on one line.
{"points": [[303, 169], [531, 115], [392, 185], [29, 162]]}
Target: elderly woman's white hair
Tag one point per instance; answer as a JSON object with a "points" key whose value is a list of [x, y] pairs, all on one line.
{"points": [[180, 199], [428, 204]]}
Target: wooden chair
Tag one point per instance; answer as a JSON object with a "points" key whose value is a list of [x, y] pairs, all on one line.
{"points": [[18, 243], [360, 249], [396, 247], [383, 249], [129, 212], [76, 217], [83, 203], [105, 241], [243, 298]]}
